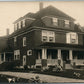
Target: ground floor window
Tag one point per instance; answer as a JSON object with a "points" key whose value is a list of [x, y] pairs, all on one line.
{"points": [[17, 55], [24, 60]]}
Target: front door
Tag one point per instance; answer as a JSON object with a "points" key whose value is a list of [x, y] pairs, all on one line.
{"points": [[65, 56], [24, 60]]}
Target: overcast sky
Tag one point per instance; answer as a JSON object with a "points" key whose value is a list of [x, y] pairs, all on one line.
{"points": [[10, 11]]}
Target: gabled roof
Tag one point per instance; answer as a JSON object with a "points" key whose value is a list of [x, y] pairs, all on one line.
{"points": [[30, 15], [50, 10]]}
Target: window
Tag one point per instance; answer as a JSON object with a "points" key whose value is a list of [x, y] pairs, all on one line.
{"points": [[29, 52], [15, 26], [24, 60], [15, 39], [24, 41], [44, 38], [48, 36], [51, 39], [66, 23], [23, 22], [55, 21], [72, 38], [19, 24], [17, 55]]}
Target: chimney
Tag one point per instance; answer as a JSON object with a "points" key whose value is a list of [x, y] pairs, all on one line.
{"points": [[41, 5], [7, 31]]}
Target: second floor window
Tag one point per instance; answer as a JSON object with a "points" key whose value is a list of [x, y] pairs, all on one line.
{"points": [[72, 38], [15, 40], [48, 36], [24, 41], [55, 21], [67, 23]]}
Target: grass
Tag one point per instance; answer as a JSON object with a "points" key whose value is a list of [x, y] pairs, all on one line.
{"points": [[66, 73]]}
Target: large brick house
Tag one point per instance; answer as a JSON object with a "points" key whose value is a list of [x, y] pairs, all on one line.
{"points": [[46, 38]]}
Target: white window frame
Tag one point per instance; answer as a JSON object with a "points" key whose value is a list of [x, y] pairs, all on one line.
{"points": [[48, 34], [69, 38], [19, 24], [66, 23], [15, 26], [55, 21], [24, 39], [16, 53], [29, 52], [23, 23], [24, 62], [15, 39]]}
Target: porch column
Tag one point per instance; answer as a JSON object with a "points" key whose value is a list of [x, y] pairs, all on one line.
{"points": [[59, 54], [70, 55], [44, 53], [4, 56]]}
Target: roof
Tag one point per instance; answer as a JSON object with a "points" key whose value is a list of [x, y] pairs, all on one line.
{"points": [[63, 46], [30, 15], [50, 10]]}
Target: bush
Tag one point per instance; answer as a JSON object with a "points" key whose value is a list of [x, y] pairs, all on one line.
{"points": [[9, 65], [25, 67]]}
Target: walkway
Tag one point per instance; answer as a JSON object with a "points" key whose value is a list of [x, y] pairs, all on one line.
{"points": [[43, 77]]}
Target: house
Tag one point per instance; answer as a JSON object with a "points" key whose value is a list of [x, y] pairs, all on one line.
{"points": [[47, 38]]}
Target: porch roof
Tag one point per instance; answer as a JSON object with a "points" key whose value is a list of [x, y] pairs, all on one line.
{"points": [[62, 46]]}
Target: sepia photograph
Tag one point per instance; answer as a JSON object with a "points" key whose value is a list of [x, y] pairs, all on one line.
{"points": [[42, 42]]}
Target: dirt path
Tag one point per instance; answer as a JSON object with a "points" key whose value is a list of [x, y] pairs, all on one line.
{"points": [[43, 77]]}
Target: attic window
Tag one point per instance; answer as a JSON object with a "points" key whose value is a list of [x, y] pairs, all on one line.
{"points": [[55, 21], [19, 24], [23, 23], [66, 23], [15, 26]]}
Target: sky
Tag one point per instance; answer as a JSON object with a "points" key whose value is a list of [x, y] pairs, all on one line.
{"points": [[11, 11]]}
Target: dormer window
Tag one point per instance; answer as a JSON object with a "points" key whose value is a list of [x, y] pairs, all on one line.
{"points": [[66, 23], [19, 24], [23, 23], [55, 21], [15, 26]]}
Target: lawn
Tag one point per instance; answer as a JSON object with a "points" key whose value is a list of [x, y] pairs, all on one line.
{"points": [[75, 74]]}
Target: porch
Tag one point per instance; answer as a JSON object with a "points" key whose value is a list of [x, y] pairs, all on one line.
{"points": [[53, 57], [6, 56]]}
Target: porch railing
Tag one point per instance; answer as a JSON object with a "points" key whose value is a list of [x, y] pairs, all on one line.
{"points": [[49, 61], [77, 62], [52, 61]]}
